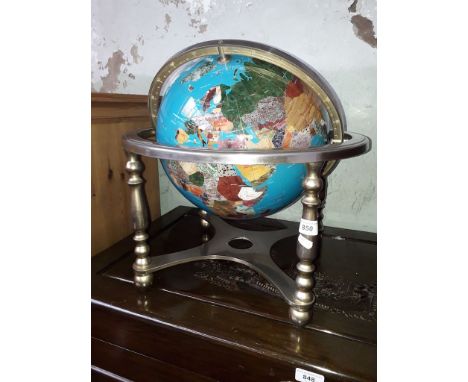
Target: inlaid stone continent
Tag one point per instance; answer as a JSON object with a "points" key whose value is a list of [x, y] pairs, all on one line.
{"points": [[241, 103]]}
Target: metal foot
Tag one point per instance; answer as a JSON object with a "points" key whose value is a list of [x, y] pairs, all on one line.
{"points": [[140, 218], [308, 245]]}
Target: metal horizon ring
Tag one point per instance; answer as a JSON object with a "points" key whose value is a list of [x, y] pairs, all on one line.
{"points": [[142, 142]]}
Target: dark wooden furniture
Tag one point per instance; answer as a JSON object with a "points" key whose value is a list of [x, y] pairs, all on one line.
{"points": [[214, 320]]}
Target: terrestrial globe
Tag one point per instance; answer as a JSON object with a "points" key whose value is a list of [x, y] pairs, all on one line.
{"points": [[240, 102]]}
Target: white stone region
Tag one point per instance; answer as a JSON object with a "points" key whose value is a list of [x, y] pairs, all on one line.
{"points": [[249, 193]]}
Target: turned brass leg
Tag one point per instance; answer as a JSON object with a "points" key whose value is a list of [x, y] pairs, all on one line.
{"points": [[308, 245], [140, 218], [205, 224]]}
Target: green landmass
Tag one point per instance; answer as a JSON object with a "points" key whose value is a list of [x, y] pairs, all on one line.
{"points": [[191, 126], [260, 80], [197, 178]]}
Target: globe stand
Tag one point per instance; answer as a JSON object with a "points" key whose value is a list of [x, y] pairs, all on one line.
{"points": [[298, 293]]}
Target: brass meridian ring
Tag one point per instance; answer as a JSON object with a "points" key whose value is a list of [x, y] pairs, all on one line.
{"points": [[262, 52]]}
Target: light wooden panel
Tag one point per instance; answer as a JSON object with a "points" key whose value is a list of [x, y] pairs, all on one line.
{"points": [[112, 115]]}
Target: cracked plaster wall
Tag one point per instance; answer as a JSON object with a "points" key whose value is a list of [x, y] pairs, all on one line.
{"points": [[132, 39]]}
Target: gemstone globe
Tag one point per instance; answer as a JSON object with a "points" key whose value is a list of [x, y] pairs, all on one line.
{"points": [[239, 103]]}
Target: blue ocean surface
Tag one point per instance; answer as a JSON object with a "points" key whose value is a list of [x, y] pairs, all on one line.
{"points": [[282, 188], [170, 112]]}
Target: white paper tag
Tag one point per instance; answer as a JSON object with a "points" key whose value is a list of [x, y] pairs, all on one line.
{"points": [[306, 243], [308, 227], [307, 376]]}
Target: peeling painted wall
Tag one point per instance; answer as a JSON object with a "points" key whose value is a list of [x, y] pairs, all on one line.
{"points": [[131, 39]]}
